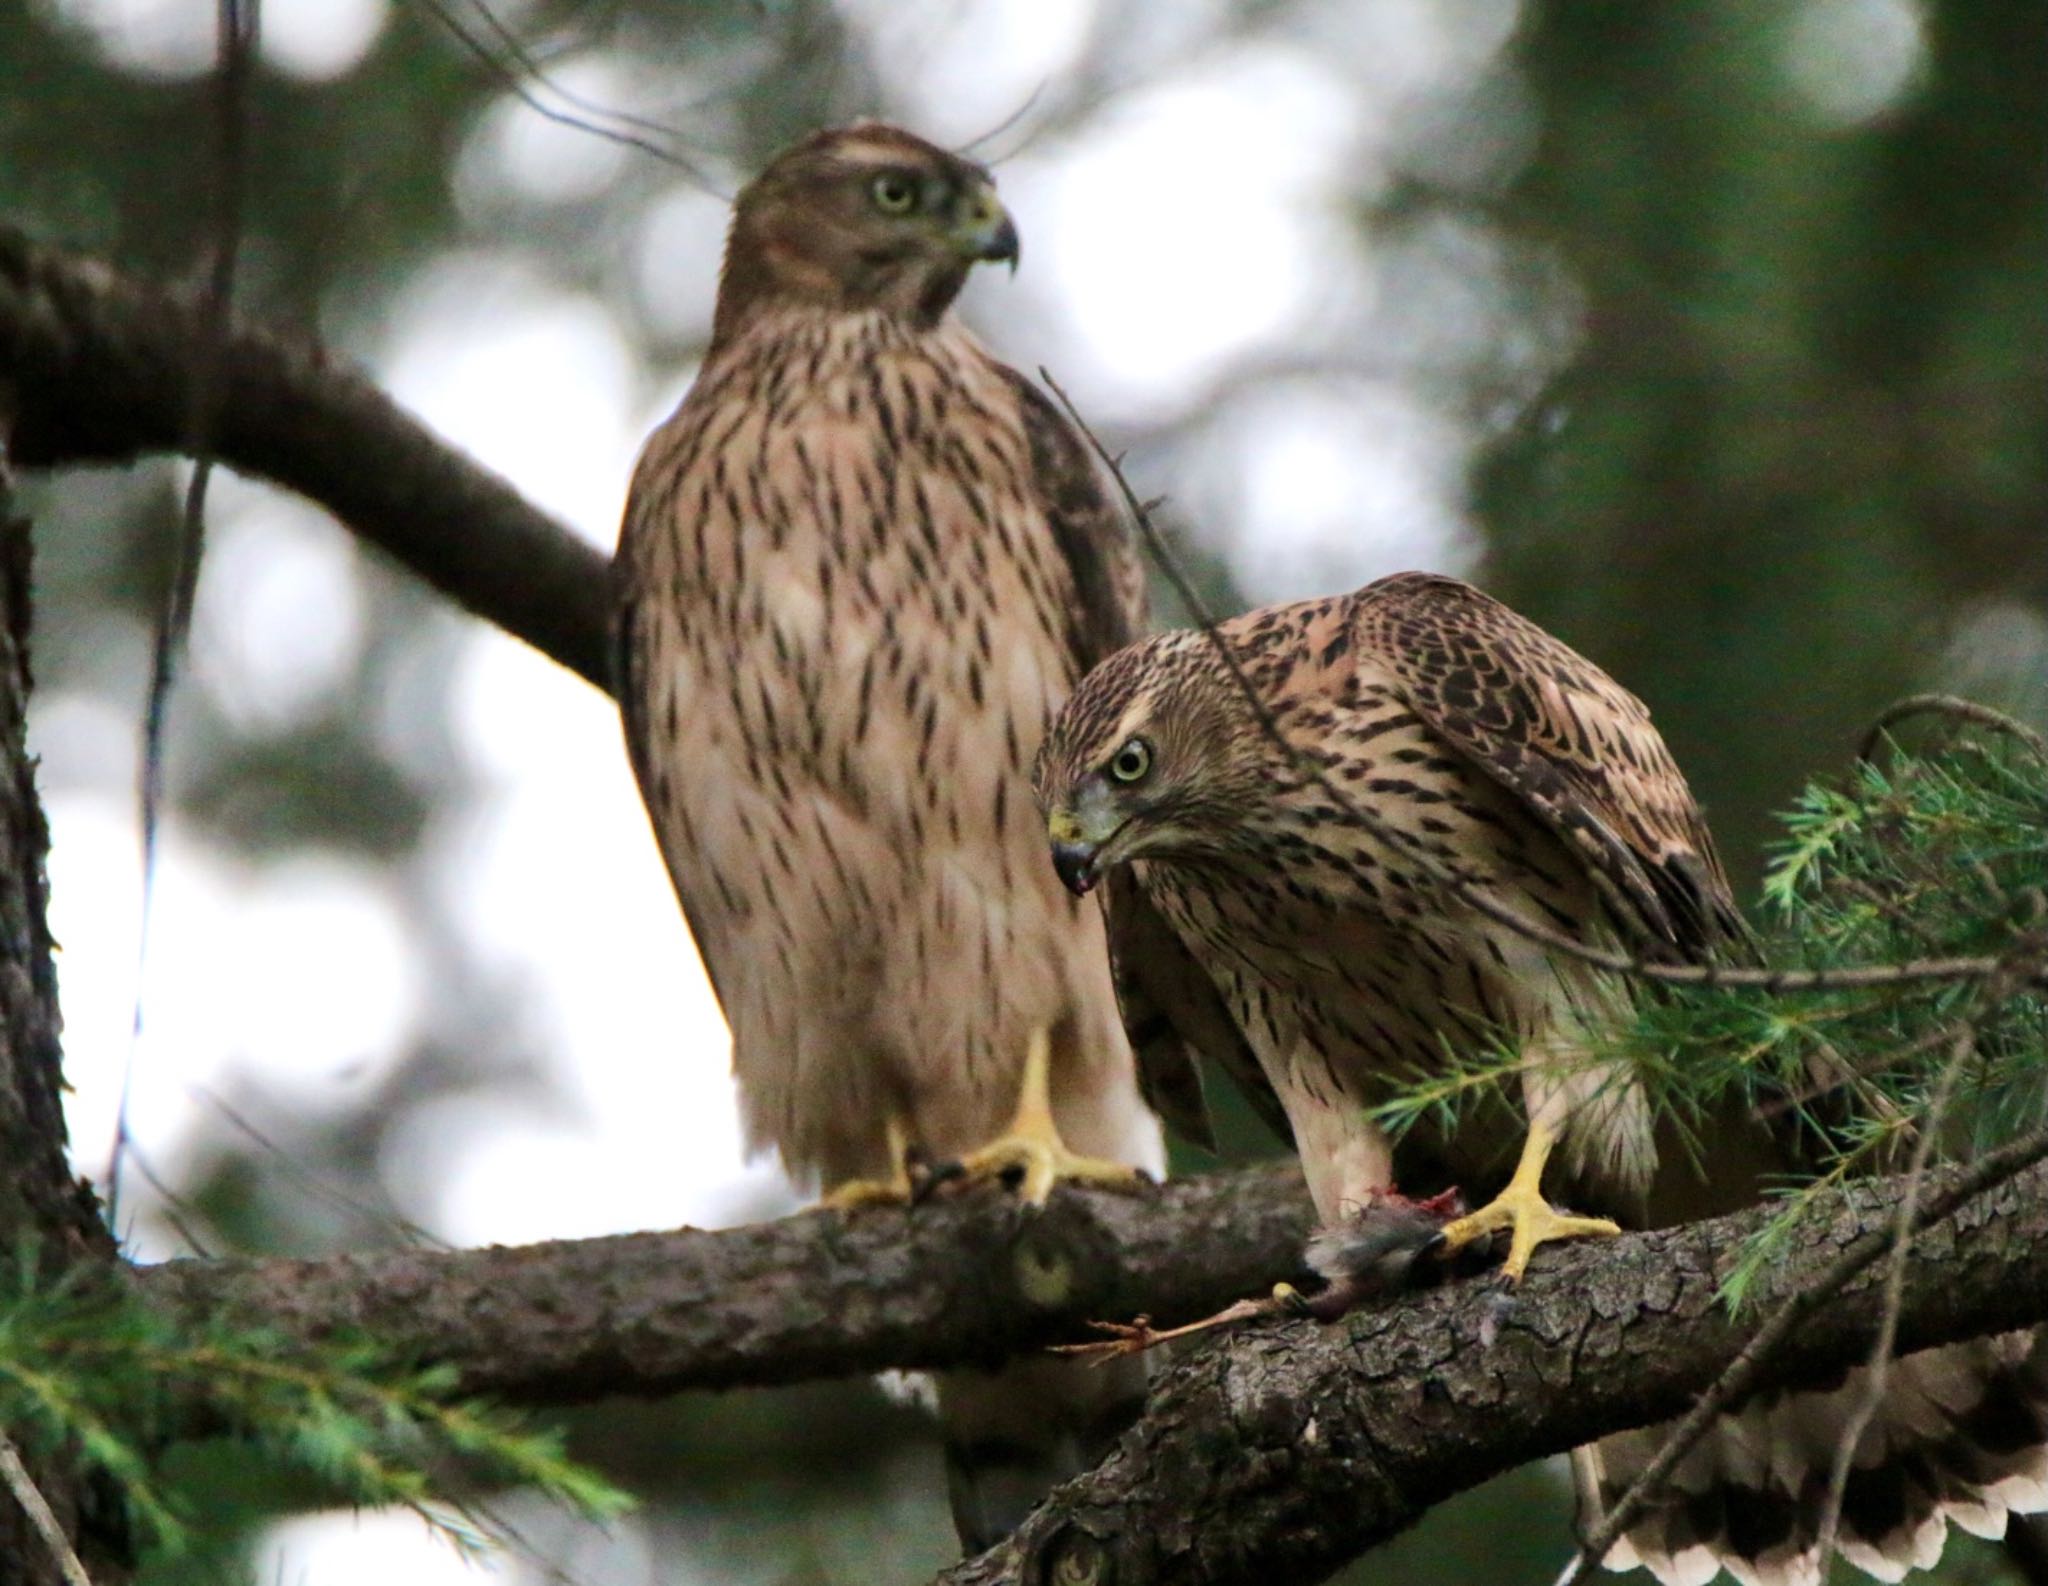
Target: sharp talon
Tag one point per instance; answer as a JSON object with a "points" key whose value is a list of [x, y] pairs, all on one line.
{"points": [[905, 1186], [1029, 1157], [1521, 1209]]}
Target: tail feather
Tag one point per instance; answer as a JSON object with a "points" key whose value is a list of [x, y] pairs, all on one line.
{"points": [[1960, 1435], [1015, 1433]]}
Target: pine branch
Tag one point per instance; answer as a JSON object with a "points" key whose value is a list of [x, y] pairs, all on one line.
{"points": [[95, 367]]}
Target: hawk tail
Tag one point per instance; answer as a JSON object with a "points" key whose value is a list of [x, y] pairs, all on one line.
{"points": [[1961, 1435], [1015, 1433]]}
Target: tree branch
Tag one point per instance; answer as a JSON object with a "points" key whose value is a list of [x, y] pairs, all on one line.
{"points": [[962, 1281], [22, 1486], [1276, 1456], [1296, 1447], [95, 367]]}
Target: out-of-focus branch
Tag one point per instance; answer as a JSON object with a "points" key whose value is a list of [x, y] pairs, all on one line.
{"points": [[1295, 1447], [961, 1281], [95, 367]]}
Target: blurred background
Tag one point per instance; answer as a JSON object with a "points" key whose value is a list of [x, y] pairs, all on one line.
{"points": [[1713, 334]]}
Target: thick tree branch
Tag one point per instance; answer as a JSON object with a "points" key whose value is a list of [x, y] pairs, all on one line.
{"points": [[1295, 1447], [98, 368], [964, 1281]]}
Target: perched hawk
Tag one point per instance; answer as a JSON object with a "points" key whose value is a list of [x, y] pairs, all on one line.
{"points": [[1469, 744], [862, 566]]}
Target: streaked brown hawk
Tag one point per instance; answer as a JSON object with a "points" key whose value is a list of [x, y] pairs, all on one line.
{"points": [[1471, 751], [862, 566]]}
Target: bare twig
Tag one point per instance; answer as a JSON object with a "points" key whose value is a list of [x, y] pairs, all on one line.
{"points": [[1950, 705], [1879, 1368], [1747, 1368], [524, 73], [235, 29], [1773, 981], [37, 1508]]}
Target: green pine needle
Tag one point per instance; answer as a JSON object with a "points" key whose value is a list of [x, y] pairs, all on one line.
{"points": [[85, 1364]]}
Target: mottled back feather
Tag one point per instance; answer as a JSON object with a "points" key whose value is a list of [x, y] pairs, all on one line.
{"points": [[1572, 743]]}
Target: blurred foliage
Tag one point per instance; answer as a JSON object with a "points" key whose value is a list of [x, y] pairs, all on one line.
{"points": [[1757, 420], [85, 1364], [1804, 440]]}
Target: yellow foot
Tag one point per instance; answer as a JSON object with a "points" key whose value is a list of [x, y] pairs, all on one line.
{"points": [[1521, 1207], [899, 1189], [1031, 1149]]}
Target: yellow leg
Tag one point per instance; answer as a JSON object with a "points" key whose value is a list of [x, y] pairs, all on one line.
{"points": [[1032, 1144], [896, 1190], [1521, 1206]]}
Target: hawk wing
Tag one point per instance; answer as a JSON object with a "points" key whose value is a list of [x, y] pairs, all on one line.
{"points": [[630, 644], [1171, 1008], [1573, 744]]}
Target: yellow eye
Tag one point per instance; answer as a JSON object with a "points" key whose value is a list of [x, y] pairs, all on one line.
{"points": [[1132, 761], [894, 193]]}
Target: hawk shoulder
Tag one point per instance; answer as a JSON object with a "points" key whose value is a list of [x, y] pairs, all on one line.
{"points": [[1574, 745]]}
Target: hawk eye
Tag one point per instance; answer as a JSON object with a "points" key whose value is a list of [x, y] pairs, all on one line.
{"points": [[894, 193], [1132, 761]]}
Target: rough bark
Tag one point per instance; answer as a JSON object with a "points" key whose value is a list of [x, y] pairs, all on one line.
{"points": [[41, 1206], [961, 1282], [1296, 1447], [1290, 1448], [98, 368]]}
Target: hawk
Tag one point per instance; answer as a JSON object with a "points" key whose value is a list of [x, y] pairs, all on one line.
{"points": [[862, 565], [1308, 818]]}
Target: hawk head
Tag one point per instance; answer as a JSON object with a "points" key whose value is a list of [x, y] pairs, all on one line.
{"points": [[1157, 755], [860, 217]]}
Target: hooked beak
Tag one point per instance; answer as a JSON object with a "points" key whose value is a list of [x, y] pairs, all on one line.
{"points": [[985, 230], [1076, 864], [1074, 850]]}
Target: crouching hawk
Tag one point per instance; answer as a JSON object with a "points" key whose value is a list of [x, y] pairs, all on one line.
{"points": [[1469, 751]]}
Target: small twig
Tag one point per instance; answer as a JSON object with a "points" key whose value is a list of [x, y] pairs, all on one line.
{"points": [[1771, 981], [236, 26], [37, 1508], [515, 79], [1849, 1071], [1988, 1171], [1879, 1370], [1950, 705]]}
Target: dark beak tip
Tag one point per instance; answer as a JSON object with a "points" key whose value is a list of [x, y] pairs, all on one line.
{"points": [[1004, 247], [1076, 866]]}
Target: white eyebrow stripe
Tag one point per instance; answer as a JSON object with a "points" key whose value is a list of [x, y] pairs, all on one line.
{"points": [[866, 154]]}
